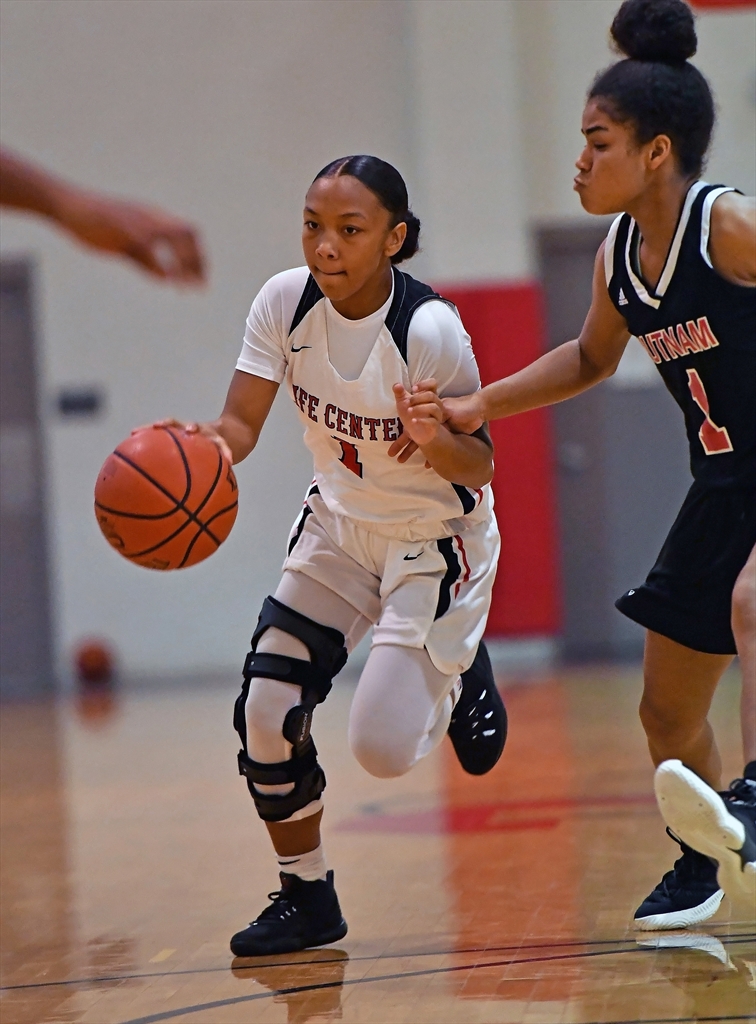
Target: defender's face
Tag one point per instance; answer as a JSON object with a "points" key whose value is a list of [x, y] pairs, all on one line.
{"points": [[347, 236], [612, 169]]}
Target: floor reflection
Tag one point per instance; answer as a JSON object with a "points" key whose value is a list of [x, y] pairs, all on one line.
{"points": [[504, 886], [714, 974], [96, 705], [130, 855], [309, 984], [106, 958], [35, 924]]}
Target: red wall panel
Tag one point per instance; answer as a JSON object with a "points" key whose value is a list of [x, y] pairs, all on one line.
{"points": [[505, 322]]}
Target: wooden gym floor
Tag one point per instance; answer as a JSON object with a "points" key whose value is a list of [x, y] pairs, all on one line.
{"points": [[131, 853]]}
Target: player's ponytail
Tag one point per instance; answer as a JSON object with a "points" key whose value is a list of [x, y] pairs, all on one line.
{"points": [[656, 88], [385, 182]]}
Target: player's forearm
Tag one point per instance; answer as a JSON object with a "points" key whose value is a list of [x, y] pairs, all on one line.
{"points": [[560, 374], [26, 187], [460, 458], [240, 436]]}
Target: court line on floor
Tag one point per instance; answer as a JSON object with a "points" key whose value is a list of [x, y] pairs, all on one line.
{"points": [[184, 1011], [736, 939]]}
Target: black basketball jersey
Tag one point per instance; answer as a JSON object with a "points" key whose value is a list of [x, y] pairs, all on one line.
{"points": [[700, 330]]}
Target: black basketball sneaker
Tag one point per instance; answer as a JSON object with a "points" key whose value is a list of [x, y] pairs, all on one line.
{"points": [[302, 914], [720, 825], [687, 894], [478, 726]]}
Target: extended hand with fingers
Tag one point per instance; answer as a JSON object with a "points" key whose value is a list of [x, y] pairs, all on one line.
{"points": [[160, 243], [463, 415], [423, 393], [421, 414]]}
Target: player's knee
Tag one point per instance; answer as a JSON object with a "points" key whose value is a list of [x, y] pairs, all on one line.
{"points": [[268, 703], [381, 757], [744, 605], [273, 712], [654, 717], [662, 721]]}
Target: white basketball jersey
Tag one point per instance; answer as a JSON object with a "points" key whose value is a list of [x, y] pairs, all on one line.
{"points": [[350, 424]]}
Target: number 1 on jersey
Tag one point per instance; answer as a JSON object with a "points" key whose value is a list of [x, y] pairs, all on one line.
{"points": [[350, 457], [713, 438]]}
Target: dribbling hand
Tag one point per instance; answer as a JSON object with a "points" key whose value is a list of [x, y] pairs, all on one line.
{"points": [[206, 429]]}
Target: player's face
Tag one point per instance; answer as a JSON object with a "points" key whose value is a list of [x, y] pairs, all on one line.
{"points": [[347, 236], [613, 170]]}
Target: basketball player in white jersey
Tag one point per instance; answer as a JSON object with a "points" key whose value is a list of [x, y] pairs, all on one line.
{"points": [[409, 549]]}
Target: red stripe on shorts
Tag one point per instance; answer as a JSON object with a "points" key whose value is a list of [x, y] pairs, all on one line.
{"points": [[466, 577]]}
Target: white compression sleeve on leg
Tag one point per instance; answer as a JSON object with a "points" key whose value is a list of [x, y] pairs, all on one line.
{"points": [[401, 710]]}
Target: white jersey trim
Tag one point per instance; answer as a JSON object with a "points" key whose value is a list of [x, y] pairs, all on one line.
{"points": [[638, 285], [674, 250], [670, 263], [611, 238], [706, 221]]}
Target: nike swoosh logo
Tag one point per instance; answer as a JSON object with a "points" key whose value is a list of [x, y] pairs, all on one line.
{"points": [[300, 348], [411, 558]]}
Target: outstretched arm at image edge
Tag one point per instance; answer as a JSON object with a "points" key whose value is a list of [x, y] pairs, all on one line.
{"points": [[165, 246]]}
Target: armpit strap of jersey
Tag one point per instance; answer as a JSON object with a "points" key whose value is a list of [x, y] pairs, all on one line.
{"points": [[310, 297], [409, 295]]}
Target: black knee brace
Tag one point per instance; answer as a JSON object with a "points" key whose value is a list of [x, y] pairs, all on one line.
{"points": [[329, 655]]}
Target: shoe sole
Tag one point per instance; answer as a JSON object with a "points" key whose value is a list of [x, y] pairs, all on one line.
{"points": [[291, 947], [680, 918], [698, 815]]}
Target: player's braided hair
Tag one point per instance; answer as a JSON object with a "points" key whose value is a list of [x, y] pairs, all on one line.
{"points": [[656, 88], [388, 185]]}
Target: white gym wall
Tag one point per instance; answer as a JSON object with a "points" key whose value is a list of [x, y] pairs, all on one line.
{"points": [[222, 111]]}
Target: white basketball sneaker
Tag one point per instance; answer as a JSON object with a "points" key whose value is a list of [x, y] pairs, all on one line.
{"points": [[719, 825]]}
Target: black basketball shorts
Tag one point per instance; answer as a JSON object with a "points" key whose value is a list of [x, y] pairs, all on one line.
{"points": [[688, 593]]}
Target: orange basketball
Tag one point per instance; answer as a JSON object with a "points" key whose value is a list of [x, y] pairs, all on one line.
{"points": [[166, 499]]}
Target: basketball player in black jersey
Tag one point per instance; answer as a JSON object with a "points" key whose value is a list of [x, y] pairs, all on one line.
{"points": [[678, 270]]}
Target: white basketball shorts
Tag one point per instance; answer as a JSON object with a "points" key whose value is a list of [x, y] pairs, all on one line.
{"points": [[433, 594]]}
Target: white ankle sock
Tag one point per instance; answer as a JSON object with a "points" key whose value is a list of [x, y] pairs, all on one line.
{"points": [[307, 866]]}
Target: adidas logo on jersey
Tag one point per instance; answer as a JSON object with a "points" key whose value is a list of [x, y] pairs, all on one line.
{"points": [[622, 298]]}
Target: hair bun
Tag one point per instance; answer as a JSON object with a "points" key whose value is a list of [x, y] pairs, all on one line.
{"points": [[411, 244], [655, 30]]}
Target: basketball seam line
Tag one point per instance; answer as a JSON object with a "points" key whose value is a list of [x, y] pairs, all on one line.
{"points": [[204, 501], [179, 503], [180, 507], [172, 536], [134, 515]]}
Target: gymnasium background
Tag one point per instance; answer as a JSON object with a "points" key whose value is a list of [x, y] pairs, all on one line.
{"points": [[223, 111]]}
